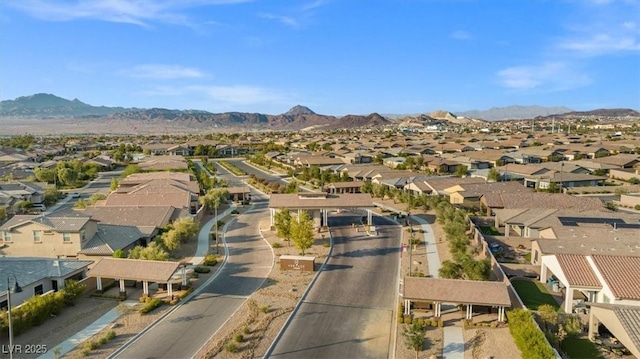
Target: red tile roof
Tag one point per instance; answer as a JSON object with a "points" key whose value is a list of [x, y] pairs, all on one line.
{"points": [[578, 271], [621, 273]]}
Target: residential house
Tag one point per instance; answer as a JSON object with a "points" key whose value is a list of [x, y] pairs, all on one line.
{"points": [[620, 161], [163, 163], [469, 194], [534, 202], [53, 236], [37, 276]]}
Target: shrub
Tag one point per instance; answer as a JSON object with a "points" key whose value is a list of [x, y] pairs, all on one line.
{"points": [[151, 305], [528, 338], [275, 245], [202, 269], [326, 244], [265, 309], [637, 207], [110, 335], [235, 211], [246, 329], [210, 260], [231, 347], [238, 337]]}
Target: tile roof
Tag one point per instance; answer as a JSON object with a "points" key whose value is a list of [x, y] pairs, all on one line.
{"points": [[134, 269], [60, 224], [29, 270], [578, 271], [550, 200], [629, 317], [158, 216], [456, 291], [621, 273], [320, 200], [110, 238]]}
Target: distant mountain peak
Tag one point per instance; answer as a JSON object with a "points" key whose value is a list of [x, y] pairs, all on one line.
{"points": [[299, 110], [514, 112]]}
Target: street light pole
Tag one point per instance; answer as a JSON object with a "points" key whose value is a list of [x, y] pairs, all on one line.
{"points": [[16, 289]]}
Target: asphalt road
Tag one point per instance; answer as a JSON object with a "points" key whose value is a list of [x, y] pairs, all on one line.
{"points": [[348, 313], [185, 330], [250, 170]]}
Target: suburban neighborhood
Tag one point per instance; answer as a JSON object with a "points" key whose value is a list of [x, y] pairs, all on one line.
{"points": [[454, 238]]}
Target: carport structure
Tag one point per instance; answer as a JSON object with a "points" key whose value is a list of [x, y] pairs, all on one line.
{"points": [[324, 202], [465, 292], [137, 270]]}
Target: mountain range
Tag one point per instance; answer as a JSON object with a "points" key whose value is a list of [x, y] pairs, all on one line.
{"points": [[53, 108], [48, 106]]}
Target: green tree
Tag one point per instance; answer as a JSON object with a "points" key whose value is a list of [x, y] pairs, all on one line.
{"points": [[153, 252], [461, 171], [282, 222], [450, 270], [494, 175], [302, 231], [414, 337], [119, 253], [45, 175]]}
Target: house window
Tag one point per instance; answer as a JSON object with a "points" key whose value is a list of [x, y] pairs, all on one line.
{"points": [[36, 236], [7, 236], [38, 290], [66, 237], [82, 235], [535, 256], [605, 299]]}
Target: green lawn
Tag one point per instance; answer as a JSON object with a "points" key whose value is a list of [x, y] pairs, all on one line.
{"points": [[580, 348], [534, 294]]}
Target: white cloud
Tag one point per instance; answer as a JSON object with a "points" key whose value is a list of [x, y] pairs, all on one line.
{"points": [[602, 43], [236, 95], [313, 5], [163, 72], [460, 35], [142, 12], [287, 20], [550, 76]]}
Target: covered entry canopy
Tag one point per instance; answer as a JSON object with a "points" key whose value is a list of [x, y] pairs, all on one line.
{"points": [[467, 292], [320, 201], [134, 269], [314, 200], [138, 270]]}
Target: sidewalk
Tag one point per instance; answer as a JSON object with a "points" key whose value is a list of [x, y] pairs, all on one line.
{"points": [[453, 343], [112, 315], [453, 339]]}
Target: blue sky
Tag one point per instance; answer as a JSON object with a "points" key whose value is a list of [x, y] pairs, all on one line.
{"points": [[335, 56]]}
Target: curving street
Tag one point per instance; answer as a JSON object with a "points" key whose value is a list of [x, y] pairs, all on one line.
{"points": [[181, 333]]}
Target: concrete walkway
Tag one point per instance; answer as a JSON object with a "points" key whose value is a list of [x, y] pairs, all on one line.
{"points": [[433, 259], [86, 333], [112, 315], [453, 343]]}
